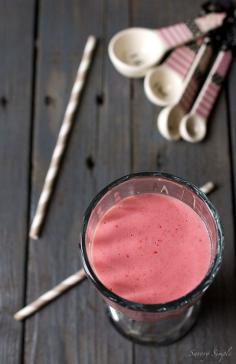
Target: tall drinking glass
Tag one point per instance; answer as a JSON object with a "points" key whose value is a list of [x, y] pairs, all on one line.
{"points": [[157, 323]]}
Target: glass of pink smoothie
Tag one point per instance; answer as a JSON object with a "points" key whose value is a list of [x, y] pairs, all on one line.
{"points": [[151, 244]]}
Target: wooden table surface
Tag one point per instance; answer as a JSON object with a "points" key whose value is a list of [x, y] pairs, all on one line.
{"points": [[115, 133]]}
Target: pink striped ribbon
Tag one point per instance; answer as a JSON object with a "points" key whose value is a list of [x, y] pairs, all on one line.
{"points": [[175, 35], [210, 90], [181, 33], [180, 60]]}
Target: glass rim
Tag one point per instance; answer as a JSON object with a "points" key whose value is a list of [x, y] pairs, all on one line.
{"points": [[165, 306]]}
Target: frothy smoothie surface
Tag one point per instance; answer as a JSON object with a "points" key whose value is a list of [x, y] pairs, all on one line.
{"points": [[151, 248]]}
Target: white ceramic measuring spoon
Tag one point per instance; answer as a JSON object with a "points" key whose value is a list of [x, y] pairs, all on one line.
{"points": [[134, 50], [193, 125], [163, 84], [169, 118]]}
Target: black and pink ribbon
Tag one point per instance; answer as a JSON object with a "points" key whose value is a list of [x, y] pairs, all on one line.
{"points": [[211, 88]]}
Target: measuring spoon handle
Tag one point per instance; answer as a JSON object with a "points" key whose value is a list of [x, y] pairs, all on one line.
{"points": [[181, 58], [211, 87], [194, 76], [182, 33]]}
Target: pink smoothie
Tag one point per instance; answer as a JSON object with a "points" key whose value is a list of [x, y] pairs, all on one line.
{"points": [[151, 248]]}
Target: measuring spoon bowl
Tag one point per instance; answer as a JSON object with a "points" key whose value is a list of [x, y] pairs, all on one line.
{"points": [[168, 122], [133, 51], [163, 86], [193, 128]]}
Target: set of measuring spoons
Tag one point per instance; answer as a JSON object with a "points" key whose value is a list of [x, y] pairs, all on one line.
{"points": [[187, 118], [175, 83]]}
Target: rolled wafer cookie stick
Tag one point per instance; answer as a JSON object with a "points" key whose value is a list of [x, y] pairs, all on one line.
{"points": [[70, 281], [62, 139], [50, 295]]}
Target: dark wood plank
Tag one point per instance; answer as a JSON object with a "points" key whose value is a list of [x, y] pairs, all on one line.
{"points": [[199, 163], [74, 329], [16, 43]]}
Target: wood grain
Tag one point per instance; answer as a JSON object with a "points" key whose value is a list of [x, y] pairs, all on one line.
{"points": [[76, 324], [114, 134], [16, 43], [205, 161]]}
